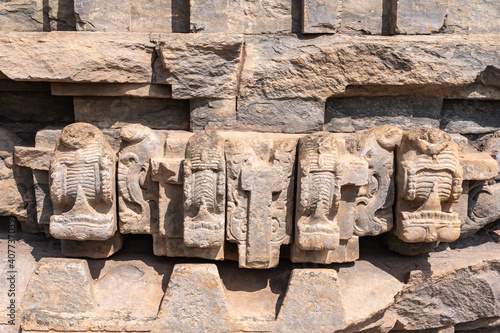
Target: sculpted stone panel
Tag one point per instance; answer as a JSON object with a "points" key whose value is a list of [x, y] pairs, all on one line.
{"points": [[260, 186], [82, 185], [429, 184], [324, 230], [138, 193], [204, 191], [374, 203]]}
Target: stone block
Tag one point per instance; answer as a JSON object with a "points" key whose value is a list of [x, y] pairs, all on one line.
{"points": [[194, 301], [321, 16], [209, 15], [421, 17], [289, 116], [22, 15], [470, 116], [62, 15], [151, 16], [212, 113], [314, 296], [105, 112], [94, 249], [473, 17], [102, 15], [260, 195], [185, 59], [354, 114], [363, 17], [137, 192], [111, 89]]}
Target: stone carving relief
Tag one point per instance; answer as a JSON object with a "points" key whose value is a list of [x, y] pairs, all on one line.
{"points": [[429, 184], [324, 230], [260, 186], [138, 193], [204, 191], [374, 203], [82, 185]]}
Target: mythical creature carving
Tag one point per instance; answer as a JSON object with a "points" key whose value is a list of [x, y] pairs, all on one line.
{"points": [[374, 203], [429, 179], [82, 185], [204, 191], [138, 193]]}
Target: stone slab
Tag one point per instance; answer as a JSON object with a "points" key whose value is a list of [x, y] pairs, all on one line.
{"points": [[117, 112], [470, 116], [102, 15], [362, 17], [151, 16], [22, 15], [209, 15], [111, 89], [473, 17], [212, 113], [421, 17], [321, 16]]}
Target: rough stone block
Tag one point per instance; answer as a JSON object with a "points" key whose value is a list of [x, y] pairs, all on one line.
{"points": [[156, 113], [102, 15], [212, 113], [421, 17], [363, 17], [313, 295], [185, 58], [111, 89], [470, 116], [21, 15], [194, 301], [289, 116], [62, 15], [352, 114], [473, 17], [321, 16], [92, 248], [209, 15]]}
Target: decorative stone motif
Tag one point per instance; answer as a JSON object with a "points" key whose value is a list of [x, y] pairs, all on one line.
{"points": [[204, 191], [429, 178], [374, 213], [82, 185], [138, 193], [260, 185], [325, 212]]}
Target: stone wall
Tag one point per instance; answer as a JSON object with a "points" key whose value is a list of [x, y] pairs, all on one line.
{"points": [[250, 165]]}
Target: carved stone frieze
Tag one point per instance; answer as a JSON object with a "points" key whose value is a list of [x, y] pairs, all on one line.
{"points": [[204, 191], [374, 203], [429, 179], [138, 193], [329, 178], [82, 185], [260, 186]]}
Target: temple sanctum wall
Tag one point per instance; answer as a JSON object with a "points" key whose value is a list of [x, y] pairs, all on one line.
{"points": [[249, 166]]}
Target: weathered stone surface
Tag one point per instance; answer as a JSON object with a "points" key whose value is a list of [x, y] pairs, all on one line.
{"points": [[473, 17], [33, 158], [185, 58], [484, 206], [429, 183], [260, 195], [194, 301], [288, 116], [66, 282], [95, 249], [102, 15], [152, 16], [137, 192], [325, 217], [209, 15], [106, 57], [105, 112], [470, 116], [352, 114], [212, 113], [421, 17], [205, 191], [321, 16], [21, 15], [374, 212], [313, 295], [285, 67], [62, 15], [82, 185], [111, 89], [364, 17], [16, 184]]}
